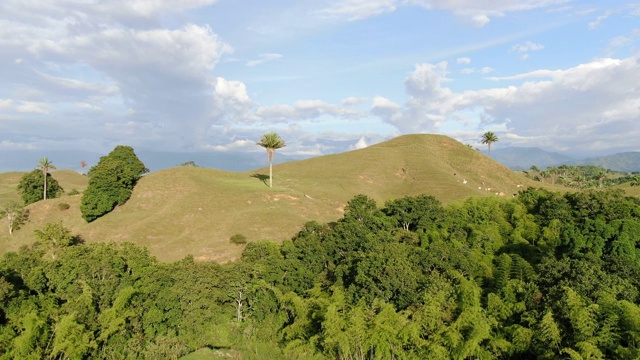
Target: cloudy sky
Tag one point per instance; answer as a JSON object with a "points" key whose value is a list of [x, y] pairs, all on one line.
{"points": [[329, 76]]}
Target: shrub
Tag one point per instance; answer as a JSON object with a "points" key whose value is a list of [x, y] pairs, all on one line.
{"points": [[73, 192], [238, 239], [63, 206]]}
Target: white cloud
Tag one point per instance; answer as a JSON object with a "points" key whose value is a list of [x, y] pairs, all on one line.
{"points": [[596, 23], [463, 60], [21, 106], [483, 70], [569, 108], [305, 110], [475, 12], [361, 144], [263, 58], [360, 9], [235, 145], [353, 101], [525, 48], [11, 145]]}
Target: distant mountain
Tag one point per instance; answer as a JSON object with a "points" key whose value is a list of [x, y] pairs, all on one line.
{"points": [[626, 162], [25, 160], [522, 158]]}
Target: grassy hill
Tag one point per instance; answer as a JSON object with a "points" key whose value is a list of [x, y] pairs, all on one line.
{"points": [[181, 211]]}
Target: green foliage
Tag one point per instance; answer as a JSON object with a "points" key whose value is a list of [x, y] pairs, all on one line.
{"points": [[111, 182], [55, 236], [63, 206], [469, 288], [238, 239], [190, 163], [14, 214], [73, 192], [489, 138], [31, 187]]}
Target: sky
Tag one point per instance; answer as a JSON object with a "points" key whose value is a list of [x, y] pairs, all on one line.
{"points": [[328, 76]]}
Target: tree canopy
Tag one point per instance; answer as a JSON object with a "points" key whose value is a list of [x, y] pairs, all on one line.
{"points": [[30, 187], [542, 275], [111, 182]]}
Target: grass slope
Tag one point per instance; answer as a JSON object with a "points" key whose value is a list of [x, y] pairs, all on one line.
{"points": [[182, 211]]}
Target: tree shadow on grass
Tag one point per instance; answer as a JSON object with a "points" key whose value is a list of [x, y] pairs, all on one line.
{"points": [[261, 177]]}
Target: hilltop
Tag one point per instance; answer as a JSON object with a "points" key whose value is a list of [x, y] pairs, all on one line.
{"points": [[184, 210]]}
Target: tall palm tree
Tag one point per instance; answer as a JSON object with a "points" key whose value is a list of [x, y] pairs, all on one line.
{"points": [[45, 165], [272, 142], [489, 138]]}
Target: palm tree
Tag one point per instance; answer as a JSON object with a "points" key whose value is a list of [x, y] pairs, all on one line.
{"points": [[45, 165], [272, 142], [489, 138]]}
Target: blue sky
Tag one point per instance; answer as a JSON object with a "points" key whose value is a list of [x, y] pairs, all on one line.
{"points": [[329, 76]]}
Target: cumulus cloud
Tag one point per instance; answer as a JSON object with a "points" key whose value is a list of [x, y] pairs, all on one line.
{"points": [[556, 109], [142, 73]]}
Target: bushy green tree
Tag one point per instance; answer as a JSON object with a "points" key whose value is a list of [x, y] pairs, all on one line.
{"points": [[111, 182], [30, 187]]}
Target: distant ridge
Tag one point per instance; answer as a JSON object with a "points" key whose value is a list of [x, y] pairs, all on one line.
{"points": [[522, 158], [626, 162]]}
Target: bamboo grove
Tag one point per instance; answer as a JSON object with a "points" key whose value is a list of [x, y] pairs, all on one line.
{"points": [[541, 275]]}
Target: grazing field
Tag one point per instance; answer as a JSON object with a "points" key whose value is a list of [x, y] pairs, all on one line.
{"points": [[194, 211]]}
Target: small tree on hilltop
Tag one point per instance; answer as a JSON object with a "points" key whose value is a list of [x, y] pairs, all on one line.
{"points": [[30, 187], [45, 165], [111, 182], [489, 138], [272, 142]]}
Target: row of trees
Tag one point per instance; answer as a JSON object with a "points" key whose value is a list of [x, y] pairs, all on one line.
{"points": [[541, 275], [581, 177]]}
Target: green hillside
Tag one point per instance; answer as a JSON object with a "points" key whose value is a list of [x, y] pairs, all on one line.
{"points": [[182, 211]]}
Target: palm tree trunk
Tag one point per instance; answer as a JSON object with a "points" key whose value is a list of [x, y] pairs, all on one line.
{"points": [[45, 185], [270, 173]]}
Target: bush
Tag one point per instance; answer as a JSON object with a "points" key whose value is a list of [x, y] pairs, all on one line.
{"points": [[238, 239], [63, 206], [73, 192]]}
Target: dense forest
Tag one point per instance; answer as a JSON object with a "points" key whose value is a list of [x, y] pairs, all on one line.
{"points": [[541, 275]]}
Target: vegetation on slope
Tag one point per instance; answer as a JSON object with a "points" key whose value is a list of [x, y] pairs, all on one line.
{"points": [[541, 275], [189, 210]]}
